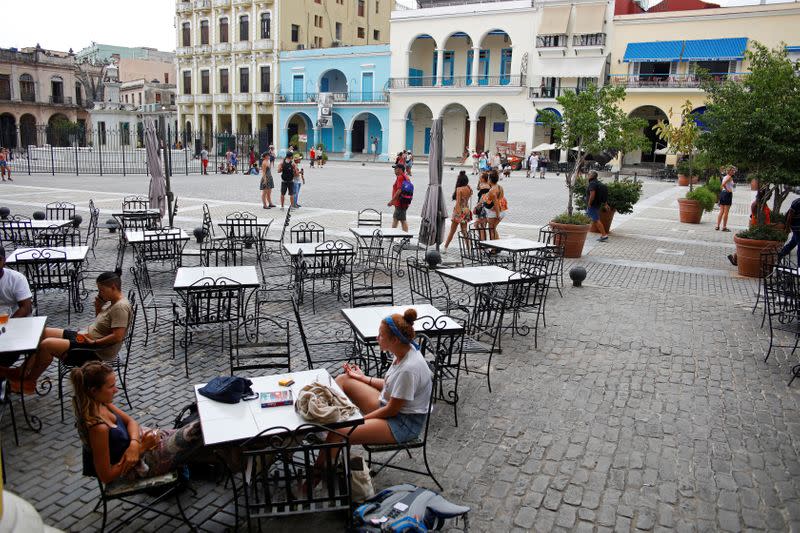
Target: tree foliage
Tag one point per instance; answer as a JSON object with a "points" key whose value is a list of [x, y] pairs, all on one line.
{"points": [[681, 138], [593, 123]]}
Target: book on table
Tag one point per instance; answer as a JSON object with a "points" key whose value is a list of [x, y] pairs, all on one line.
{"points": [[276, 398]]}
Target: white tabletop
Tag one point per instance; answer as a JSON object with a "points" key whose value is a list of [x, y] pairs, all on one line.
{"points": [[137, 236], [310, 248], [74, 253], [514, 245], [40, 224], [257, 222], [478, 275], [222, 422], [137, 212], [22, 334], [245, 275], [386, 233], [366, 320]]}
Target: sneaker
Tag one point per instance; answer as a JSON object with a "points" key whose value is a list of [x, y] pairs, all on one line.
{"points": [[603, 239]]}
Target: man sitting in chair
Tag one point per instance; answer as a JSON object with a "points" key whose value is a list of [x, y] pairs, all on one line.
{"points": [[15, 301], [102, 339]]}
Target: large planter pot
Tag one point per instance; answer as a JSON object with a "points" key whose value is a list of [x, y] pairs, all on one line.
{"points": [[753, 185], [574, 236], [748, 255], [689, 211], [606, 216], [683, 180]]}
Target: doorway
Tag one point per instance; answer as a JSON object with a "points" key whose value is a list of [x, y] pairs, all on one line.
{"points": [[357, 143], [480, 138]]}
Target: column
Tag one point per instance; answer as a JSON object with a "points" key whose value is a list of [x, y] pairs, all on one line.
{"points": [[384, 155], [281, 142], [348, 144], [318, 138], [233, 79], [15, 96], [195, 91], [255, 86], [473, 134], [439, 66], [213, 118], [405, 72], [476, 61]]}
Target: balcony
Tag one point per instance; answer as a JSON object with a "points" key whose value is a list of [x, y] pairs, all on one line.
{"points": [[222, 48], [551, 93], [263, 98], [665, 81], [589, 40], [203, 99], [185, 99], [202, 5], [241, 46], [356, 97], [184, 51], [242, 2], [242, 98], [202, 49], [263, 44], [552, 42], [457, 82], [60, 100], [222, 98], [222, 3], [183, 7]]}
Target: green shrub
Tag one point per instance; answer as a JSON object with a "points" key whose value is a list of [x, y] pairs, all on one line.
{"points": [[777, 218], [684, 168], [622, 194], [762, 233], [706, 198], [577, 219], [714, 184]]}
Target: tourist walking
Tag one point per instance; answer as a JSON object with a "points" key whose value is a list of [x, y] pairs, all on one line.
{"points": [[287, 170], [533, 165], [475, 162], [267, 183], [497, 162], [374, 148], [462, 213], [252, 157], [5, 164], [402, 193], [204, 160], [495, 203], [409, 162], [312, 155], [543, 162], [596, 197], [480, 210], [725, 198], [299, 179]]}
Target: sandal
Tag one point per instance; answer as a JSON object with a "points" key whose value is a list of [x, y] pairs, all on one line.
{"points": [[726, 229], [716, 229]]}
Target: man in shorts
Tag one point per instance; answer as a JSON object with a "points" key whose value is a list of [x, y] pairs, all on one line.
{"points": [[287, 170], [399, 216], [593, 205]]}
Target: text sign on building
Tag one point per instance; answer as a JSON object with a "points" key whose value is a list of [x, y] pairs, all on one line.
{"points": [[324, 110]]}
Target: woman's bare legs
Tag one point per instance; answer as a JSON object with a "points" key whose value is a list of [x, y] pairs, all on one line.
{"points": [[492, 223], [453, 225], [723, 211]]}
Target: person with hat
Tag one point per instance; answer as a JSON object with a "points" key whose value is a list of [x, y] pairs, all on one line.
{"points": [[400, 208]]}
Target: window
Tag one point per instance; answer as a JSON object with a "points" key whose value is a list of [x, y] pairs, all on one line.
{"points": [[203, 32], [244, 80], [5, 87], [295, 33], [244, 28], [360, 33], [377, 3], [583, 84], [317, 21], [126, 98], [171, 99], [551, 41], [360, 8], [125, 133], [266, 25], [223, 30], [186, 33], [27, 89], [101, 132], [265, 79], [57, 90], [317, 42], [78, 94], [205, 87], [340, 2], [187, 82], [140, 98], [338, 31], [166, 77], [589, 39], [317, 1], [223, 81], [376, 35], [158, 95]]}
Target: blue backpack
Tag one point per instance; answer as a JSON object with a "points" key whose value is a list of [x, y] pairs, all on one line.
{"points": [[406, 193], [408, 509]]}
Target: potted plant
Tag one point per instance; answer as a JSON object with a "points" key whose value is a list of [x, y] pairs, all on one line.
{"points": [[592, 123], [685, 170], [750, 244], [697, 201], [622, 196]]}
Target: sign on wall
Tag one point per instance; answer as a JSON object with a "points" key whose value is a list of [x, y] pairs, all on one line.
{"points": [[325, 110]]}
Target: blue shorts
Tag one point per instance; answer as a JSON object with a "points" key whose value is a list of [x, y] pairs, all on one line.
{"points": [[406, 427], [594, 213]]}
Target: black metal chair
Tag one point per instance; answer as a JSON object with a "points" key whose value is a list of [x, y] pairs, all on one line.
{"points": [[485, 327], [209, 305], [781, 294], [419, 443], [58, 236], [119, 363], [526, 292], [544, 262], [437, 294], [325, 353], [370, 250], [135, 203], [446, 349], [307, 232], [260, 343], [331, 263], [373, 287], [241, 227], [555, 239], [151, 301], [370, 218], [48, 269], [769, 259], [275, 244], [162, 245], [221, 253], [6, 405], [277, 462], [59, 211], [17, 230], [472, 253], [91, 228]]}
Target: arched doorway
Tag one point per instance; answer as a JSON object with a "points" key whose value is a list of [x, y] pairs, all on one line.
{"points": [[457, 60], [363, 130], [334, 81], [697, 114], [649, 155], [422, 59], [544, 134], [418, 129], [8, 131], [27, 130], [492, 127], [59, 130], [494, 63], [301, 126], [333, 137], [455, 130]]}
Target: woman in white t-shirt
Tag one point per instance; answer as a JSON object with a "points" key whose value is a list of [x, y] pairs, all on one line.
{"points": [[395, 408]]}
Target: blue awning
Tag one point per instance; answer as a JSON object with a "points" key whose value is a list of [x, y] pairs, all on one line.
{"points": [[653, 51], [793, 49], [540, 120], [715, 49]]}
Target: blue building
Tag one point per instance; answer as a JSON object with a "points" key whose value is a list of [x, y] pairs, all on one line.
{"points": [[353, 80]]}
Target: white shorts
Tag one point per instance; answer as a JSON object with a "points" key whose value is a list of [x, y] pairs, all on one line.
{"points": [[490, 213]]}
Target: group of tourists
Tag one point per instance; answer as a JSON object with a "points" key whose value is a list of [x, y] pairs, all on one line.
{"points": [[537, 161], [292, 175], [406, 159]]}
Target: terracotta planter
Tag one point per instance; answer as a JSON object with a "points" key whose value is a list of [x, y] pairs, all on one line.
{"points": [[753, 185], [689, 211], [748, 255], [683, 181], [606, 217], [574, 236]]}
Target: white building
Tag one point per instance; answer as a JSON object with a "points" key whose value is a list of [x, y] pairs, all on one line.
{"points": [[482, 66]]}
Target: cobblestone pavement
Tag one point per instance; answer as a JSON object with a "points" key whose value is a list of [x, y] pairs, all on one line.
{"points": [[647, 405]]}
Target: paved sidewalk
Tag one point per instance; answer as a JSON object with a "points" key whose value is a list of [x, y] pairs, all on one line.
{"points": [[646, 407]]}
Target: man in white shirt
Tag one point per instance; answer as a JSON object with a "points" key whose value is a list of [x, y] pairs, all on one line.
{"points": [[15, 299]]}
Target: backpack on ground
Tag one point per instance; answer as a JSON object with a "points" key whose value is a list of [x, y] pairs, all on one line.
{"points": [[406, 193], [601, 196], [406, 508]]}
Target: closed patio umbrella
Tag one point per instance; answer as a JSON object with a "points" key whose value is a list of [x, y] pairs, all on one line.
{"points": [[158, 186], [434, 212]]}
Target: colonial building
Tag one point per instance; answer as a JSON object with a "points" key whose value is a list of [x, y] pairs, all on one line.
{"points": [[336, 97], [38, 87], [227, 53], [133, 63]]}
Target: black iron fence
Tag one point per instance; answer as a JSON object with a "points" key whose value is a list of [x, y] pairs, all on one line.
{"points": [[73, 149]]}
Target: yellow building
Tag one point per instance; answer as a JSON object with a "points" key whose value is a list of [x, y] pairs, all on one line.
{"points": [[656, 57]]}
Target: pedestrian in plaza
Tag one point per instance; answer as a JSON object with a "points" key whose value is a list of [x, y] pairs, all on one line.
{"points": [[267, 183], [402, 192], [120, 448], [321, 156], [409, 162], [596, 197], [495, 204], [204, 160], [400, 159], [228, 167], [475, 162], [234, 162], [480, 210], [252, 157], [543, 162], [312, 156], [725, 198], [299, 179], [497, 162], [287, 170], [482, 164], [462, 212], [5, 164], [792, 222], [733, 258], [533, 165], [374, 148]]}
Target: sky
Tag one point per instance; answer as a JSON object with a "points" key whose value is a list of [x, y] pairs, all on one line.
{"points": [[61, 25]]}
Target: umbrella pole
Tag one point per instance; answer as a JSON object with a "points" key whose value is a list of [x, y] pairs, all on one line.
{"points": [[167, 151]]}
